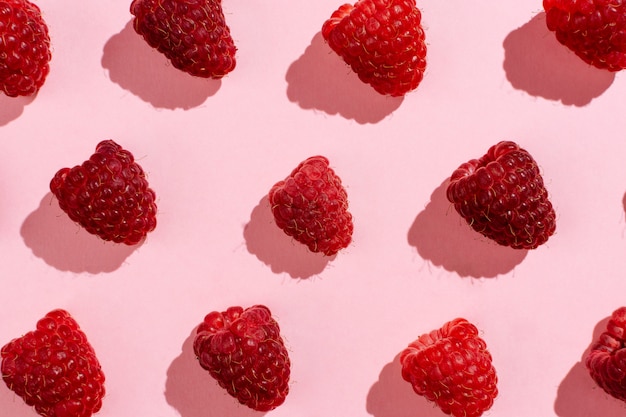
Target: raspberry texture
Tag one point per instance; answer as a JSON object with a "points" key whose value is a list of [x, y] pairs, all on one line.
{"points": [[593, 29], [311, 205], [382, 41], [606, 361], [244, 351], [108, 195], [192, 34], [54, 368], [502, 196], [24, 48], [452, 367]]}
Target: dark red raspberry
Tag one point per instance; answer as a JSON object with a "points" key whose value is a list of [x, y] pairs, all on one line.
{"points": [[452, 367], [382, 41], [244, 351], [54, 368], [594, 29], [108, 195], [311, 205], [193, 35], [503, 197], [24, 48], [606, 362]]}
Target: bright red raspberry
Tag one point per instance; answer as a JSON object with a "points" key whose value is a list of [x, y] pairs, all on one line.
{"points": [[606, 362], [452, 367], [193, 35], [382, 41], [593, 29], [54, 368], [24, 48], [503, 197], [108, 195], [311, 205], [244, 351]]}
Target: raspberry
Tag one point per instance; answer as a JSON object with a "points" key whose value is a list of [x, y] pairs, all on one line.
{"points": [[595, 30], [244, 351], [24, 48], [382, 41], [108, 195], [311, 205], [452, 368], [606, 362], [193, 35], [54, 368], [503, 197]]}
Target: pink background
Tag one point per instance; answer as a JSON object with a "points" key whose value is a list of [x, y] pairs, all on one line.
{"points": [[213, 149]]}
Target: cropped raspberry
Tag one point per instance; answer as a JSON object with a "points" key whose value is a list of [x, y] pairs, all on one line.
{"points": [[503, 197], [54, 368], [108, 195], [193, 35], [311, 205], [595, 30], [24, 48], [383, 42], [606, 362], [452, 367], [245, 353]]}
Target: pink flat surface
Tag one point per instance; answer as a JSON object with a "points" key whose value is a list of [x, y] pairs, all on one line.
{"points": [[213, 149]]}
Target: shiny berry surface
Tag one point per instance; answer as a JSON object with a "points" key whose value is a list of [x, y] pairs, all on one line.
{"points": [[244, 351], [108, 195]]}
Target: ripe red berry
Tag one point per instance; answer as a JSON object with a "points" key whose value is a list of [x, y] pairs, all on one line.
{"points": [[311, 205], [24, 48], [382, 41], [54, 368], [593, 29], [108, 195], [244, 351], [193, 35], [606, 362], [503, 197], [452, 367]]}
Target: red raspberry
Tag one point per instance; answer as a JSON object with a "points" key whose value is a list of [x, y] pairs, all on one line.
{"points": [[193, 35], [244, 351], [453, 368], [311, 205], [108, 195], [593, 29], [24, 48], [54, 368], [606, 362], [503, 197], [383, 42]]}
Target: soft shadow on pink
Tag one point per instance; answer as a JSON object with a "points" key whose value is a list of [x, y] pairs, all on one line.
{"points": [[535, 62], [320, 80], [392, 396], [12, 107], [579, 396], [148, 74], [443, 238], [275, 249], [64, 245], [13, 405], [194, 393]]}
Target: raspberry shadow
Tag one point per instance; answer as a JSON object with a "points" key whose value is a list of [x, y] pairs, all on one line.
{"points": [[444, 239], [273, 247], [66, 246], [535, 62], [392, 396], [145, 72], [194, 393], [321, 80], [12, 405], [578, 394], [12, 108]]}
